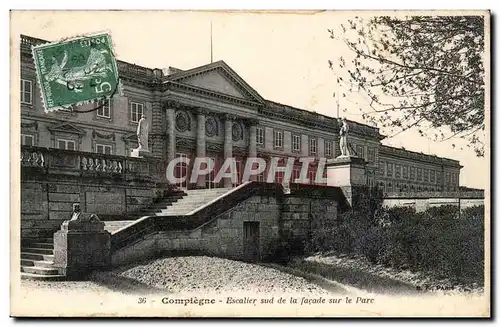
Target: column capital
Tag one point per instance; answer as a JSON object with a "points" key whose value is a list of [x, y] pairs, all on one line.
{"points": [[201, 111], [172, 104], [253, 121], [229, 117]]}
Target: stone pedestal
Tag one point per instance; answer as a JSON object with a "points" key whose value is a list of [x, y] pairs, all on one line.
{"points": [[80, 246], [140, 153], [346, 172]]}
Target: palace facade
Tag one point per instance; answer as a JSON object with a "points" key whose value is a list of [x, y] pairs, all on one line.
{"points": [[210, 111]]}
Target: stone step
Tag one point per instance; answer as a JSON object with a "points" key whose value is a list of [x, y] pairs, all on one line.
{"points": [[39, 270], [37, 256], [208, 191], [204, 194], [28, 241], [38, 250], [37, 263], [41, 245], [25, 275], [112, 226]]}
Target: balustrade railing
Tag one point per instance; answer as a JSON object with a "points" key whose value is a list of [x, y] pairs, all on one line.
{"points": [[50, 159]]}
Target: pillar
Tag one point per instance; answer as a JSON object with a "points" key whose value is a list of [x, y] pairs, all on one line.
{"points": [[252, 143], [228, 143], [170, 113], [348, 173], [200, 143]]}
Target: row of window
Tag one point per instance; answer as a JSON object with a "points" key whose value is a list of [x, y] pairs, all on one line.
{"points": [[296, 142], [360, 152], [67, 144], [389, 187], [415, 173], [136, 109]]}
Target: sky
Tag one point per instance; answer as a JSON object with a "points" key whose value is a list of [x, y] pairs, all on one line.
{"points": [[283, 56]]}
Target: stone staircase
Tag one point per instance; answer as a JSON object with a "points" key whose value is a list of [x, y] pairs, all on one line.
{"points": [[37, 257], [192, 200]]}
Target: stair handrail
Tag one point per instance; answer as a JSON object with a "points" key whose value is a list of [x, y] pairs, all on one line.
{"points": [[194, 219]]}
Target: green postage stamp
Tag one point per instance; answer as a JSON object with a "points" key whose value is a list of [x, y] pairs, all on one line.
{"points": [[76, 71]]}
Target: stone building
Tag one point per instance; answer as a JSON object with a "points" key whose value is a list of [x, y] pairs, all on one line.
{"points": [[210, 111]]}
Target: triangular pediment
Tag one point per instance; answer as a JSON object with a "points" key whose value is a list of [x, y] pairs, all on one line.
{"points": [[67, 128], [218, 77]]}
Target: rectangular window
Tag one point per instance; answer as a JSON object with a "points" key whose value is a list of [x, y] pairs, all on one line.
{"points": [[448, 178], [412, 173], [66, 144], [105, 110], [390, 167], [397, 169], [311, 174], [278, 139], [433, 176], [313, 146], [261, 177], [296, 143], [260, 136], [136, 111], [419, 174], [371, 155], [426, 175], [381, 168], [405, 171], [329, 148], [103, 148], [439, 177], [360, 151], [454, 179], [26, 91], [27, 139], [295, 174]]}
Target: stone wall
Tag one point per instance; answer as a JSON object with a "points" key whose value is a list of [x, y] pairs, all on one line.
{"points": [[224, 236], [423, 200], [53, 179], [45, 205]]}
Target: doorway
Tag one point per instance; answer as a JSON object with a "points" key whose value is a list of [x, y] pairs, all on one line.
{"points": [[251, 241], [181, 169]]}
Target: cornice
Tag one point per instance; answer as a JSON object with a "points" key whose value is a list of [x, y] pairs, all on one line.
{"points": [[211, 94], [30, 125], [410, 155], [96, 134]]}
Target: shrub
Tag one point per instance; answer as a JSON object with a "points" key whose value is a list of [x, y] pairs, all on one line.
{"points": [[438, 240]]}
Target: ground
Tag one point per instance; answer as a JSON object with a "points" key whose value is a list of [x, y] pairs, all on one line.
{"points": [[232, 285], [199, 274]]}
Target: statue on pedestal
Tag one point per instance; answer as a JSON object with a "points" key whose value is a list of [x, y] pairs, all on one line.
{"points": [[344, 131], [142, 134]]}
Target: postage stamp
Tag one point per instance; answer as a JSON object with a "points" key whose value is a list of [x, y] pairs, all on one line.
{"points": [[76, 71]]}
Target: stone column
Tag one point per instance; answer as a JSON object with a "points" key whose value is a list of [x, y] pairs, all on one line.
{"points": [[157, 121], [228, 143], [200, 143], [170, 133], [252, 143]]}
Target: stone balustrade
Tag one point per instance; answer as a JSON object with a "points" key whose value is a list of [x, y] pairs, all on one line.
{"points": [[49, 160]]}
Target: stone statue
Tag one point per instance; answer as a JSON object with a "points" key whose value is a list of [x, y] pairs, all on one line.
{"points": [[344, 145], [79, 216], [142, 134]]}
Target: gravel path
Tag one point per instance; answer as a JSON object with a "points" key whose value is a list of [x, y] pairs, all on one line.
{"points": [[202, 274]]}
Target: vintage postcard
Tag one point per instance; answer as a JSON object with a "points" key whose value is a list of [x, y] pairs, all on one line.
{"points": [[250, 164]]}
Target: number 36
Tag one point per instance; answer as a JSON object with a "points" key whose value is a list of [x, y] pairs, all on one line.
{"points": [[100, 86]]}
